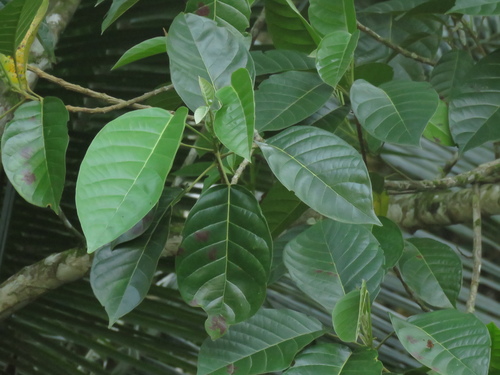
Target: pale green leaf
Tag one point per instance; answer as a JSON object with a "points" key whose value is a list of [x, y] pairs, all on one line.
{"points": [[438, 128], [228, 13], [146, 48], [495, 348]]}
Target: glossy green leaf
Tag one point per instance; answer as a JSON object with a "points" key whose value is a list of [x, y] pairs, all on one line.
{"points": [[328, 16], [374, 73], [272, 338], [320, 167], [34, 147], [335, 54], [397, 111], [476, 7], [234, 122], [336, 359], [225, 257], [148, 47], [438, 128], [278, 268], [475, 107], [329, 117], [286, 99], [278, 61], [288, 28], [450, 72], [331, 259], [350, 313], [391, 240], [393, 6], [495, 348], [458, 345], [432, 270], [121, 278], [15, 21], [118, 7], [207, 91], [281, 207], [123, 173], [232, 13], [197, 47]]}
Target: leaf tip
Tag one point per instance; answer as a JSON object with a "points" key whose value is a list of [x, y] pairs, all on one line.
{"points": [[216, 326]]}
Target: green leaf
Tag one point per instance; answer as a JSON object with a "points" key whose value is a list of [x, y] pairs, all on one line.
{"points": [[289, 30], [34, 147], [272, 338], [232, 13], [476, 7], [197, 47], [350, 313], [433, 271], [495, 348], [148, 47], [15, 20], [391, 240], [281, 207], [287, 98], [374, 73], [458, 345], [395, 112], [118, 7], [328, 16], [192, 170], [225, 257], [438, 128], [278, 268], [320, 167], [123, 173], [335, 54], [393, 6], [207, 91], [121, 278], [278, 61], [331, 259], [450, 72], [475, 107], [336, 359], [234, 122]]}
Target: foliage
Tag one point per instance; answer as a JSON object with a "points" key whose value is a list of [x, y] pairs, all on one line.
{"points": [[303, 120]]}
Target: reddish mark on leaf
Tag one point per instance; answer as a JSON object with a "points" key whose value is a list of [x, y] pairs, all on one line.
{"points": [[437, 140], [203, 10], [202, 235], [419, 257], [180, 251], [411, 339], [332, 274], [194, 303], [318, 271], [417, 356], [231, 368], [219, 323], [26, 153], [430, 344], [29, 177], [212, 254]]}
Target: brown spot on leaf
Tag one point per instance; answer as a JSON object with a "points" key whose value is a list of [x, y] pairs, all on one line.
{"points": [[212, 254], [219, 324], [203, 10], [29, 177], [437, 140], [333, 274], [430, 344], [180, 251], [231, 368], [202, 235], [318, 271], [419, 257], [26, 153], [411, 339], [194, 303]]}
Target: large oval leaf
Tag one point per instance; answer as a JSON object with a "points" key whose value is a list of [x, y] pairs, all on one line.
{"points": [[123, 173], [121, 277], [397, 111], [34, 151], [433, 271], [278, 61], [225, 257], [450, 72], [327, 16], [335, 54], [232, 13], [265, 343], [475, 108], [324, 172], [287, 98], [336, 359], [331, 259], [197, 47], [458, 345]]}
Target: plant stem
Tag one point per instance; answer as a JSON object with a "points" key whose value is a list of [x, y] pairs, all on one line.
{"points": [[476, 252], [409, 291], [221, 168], [71, 228], [196, 147]]}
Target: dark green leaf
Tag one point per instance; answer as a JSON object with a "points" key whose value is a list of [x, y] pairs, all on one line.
{"points": [[331, 259], [476, 7], [433, 271], [272, 338], [197, 47], [391, 240], [192, 170], [458, 345], [438, 128], [278, 268], [393, 6], [320, 167], [123, 173], [397, 112], [475, 107], [495, 348], [121, 278], [286, 99], [278, 61], [374, 73], [225, 257], [34, 151], [232, 13], [335, 54], [149, 47], [118, 7], [328, 16], [450, 72]]}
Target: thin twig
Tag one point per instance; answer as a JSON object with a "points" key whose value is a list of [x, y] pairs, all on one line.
{"points": [[384, 340], [410, 292], [239, 171], [473, 36], [71, 228], [450, 164], [476, 252], [395, 47], [258, 25]]}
